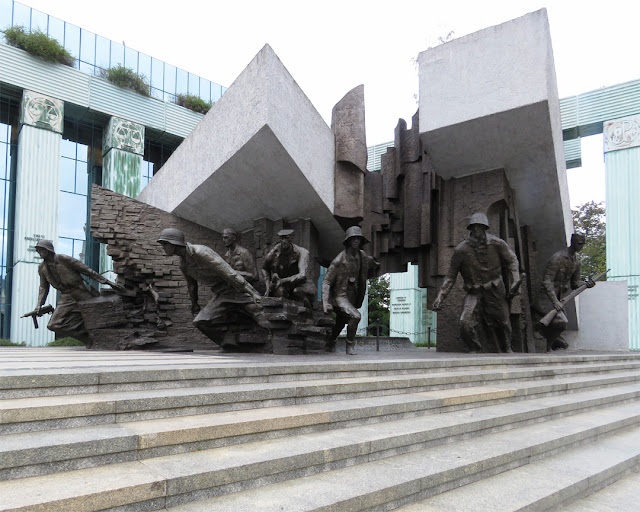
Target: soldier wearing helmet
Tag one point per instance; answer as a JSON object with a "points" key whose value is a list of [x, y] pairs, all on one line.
{"points": [[65, 273], [345, 284], [562, 274], [480, 260], [286, 271], [202, 265]]}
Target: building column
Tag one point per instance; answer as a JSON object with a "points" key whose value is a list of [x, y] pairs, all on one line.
{"points": [[36, 210], [409, 315], [122, 150], [622, 171]]}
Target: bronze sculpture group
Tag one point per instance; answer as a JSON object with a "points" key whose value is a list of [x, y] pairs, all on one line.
{"points": [[489, 269]]}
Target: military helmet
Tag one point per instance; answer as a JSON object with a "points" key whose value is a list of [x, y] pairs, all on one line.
{"points": [[354, 231], [173, 236], [285, 232], [45, 244], [478, 218]]}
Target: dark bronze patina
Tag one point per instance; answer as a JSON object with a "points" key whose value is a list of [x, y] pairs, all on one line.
{"points": [[238, 257], [485, 314], [345, 284], [286, 271], [65, 273], [562, 274]]}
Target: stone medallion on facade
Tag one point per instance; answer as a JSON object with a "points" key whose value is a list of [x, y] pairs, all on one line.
{"points": [[42, 111], [622, 133], [125, 135]]}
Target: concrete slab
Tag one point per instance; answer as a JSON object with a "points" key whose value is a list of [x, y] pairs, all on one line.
{"points": [[262, 151], [488, 101]]}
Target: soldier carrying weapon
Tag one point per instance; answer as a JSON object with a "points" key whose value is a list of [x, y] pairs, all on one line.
{"points": [[563, 273]]}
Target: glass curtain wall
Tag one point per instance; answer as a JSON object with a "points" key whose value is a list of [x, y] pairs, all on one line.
{"points": [[80, 166], [8, 156], [94, 53]]}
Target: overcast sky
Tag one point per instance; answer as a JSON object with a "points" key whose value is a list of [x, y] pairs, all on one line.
{"points": [[330, 47]]}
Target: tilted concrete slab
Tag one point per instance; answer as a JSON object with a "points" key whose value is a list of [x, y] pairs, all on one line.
{"points": [[263, 150], [489, 100]]}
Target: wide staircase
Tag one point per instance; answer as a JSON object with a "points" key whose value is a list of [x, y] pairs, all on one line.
{"points": [[82, 431]]}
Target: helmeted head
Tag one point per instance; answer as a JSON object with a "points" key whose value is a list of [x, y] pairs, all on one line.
{"points": [[170, 238], [285, 238], [229, 236], [480, 219], [354, 233], [577, 241], [43, 247]]}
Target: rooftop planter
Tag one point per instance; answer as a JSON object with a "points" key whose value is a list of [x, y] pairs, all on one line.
{"points": [[39, 45]]}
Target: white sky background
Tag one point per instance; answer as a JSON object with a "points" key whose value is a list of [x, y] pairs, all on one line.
{"points": [[329, 47]]}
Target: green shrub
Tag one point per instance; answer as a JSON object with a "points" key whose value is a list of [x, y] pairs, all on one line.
{"points": [[8, 343], [39, 44], [66, 342], [127, 78], [425, 344], [193, 102]]}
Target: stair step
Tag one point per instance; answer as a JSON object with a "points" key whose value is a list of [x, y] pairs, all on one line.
{"points": [[63, 380], [36, 453], [545, 484], [393, 481], [44, 413], [202, 474], [621, 496]]}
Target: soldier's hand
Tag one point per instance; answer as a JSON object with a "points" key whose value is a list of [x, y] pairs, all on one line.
{"points": [[328, 309], [195, 309], [558, 305], [515, 290], [117, 287], [437, 304]]}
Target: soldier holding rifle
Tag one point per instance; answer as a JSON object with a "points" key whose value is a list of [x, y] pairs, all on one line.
{"points": [[563, 273]]}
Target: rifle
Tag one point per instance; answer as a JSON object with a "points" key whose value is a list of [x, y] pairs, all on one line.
{"points": [[37, 313], [546, 319]]}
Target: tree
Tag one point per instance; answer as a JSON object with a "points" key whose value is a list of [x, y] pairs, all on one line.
{"points": [[379, 299], [589, 219]]}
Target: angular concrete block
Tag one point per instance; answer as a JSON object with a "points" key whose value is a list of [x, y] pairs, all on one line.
{"points": [[489, 100], [263, 150]]}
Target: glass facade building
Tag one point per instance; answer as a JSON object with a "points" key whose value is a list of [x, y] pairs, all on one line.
{"points": [[94, 53], [82, 151]]}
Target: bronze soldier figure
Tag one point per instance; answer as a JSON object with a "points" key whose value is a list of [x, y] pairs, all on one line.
{"points": [[231, 291], [562, 274], [480, 260], [286, 271], [65, 273], [238, 257], [345, 284]]}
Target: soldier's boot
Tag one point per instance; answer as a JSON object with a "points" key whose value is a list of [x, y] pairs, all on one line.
{"points": [[351, 345]]}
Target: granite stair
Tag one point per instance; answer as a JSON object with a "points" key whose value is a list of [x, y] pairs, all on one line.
{"points": [[336, 434]]}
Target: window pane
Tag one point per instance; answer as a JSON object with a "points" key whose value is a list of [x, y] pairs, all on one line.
{"points": [[205, 89], [170, 79], [157, 73], [4, 161], [56, 29], [88, 46], [103, 52], [4, 132], [73, 215], [87, 68], [39, 21], [67, 174], [68, 148], [5, 13], [157, 93], [21, 15], [131, 58], [117, 54], [216, 92], [82, 153], [182, 79], [144, 65], [72, 39], [194, 84], [81, 178]]}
